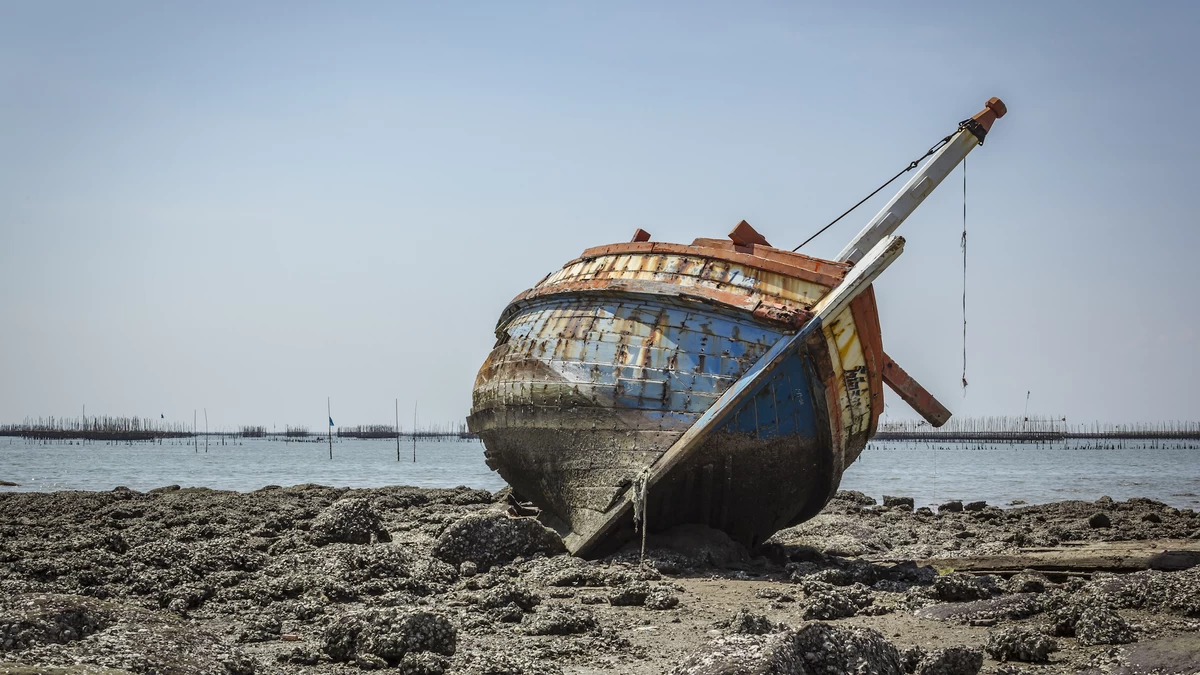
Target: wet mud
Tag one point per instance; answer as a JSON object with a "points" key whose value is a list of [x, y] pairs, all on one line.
{"points": [[313, 579]]}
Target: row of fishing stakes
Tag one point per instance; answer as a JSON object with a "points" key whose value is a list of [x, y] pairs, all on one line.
{"points": [[398, 431], [194, 436], [329, 413]]}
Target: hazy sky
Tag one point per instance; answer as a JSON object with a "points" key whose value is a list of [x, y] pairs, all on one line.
{"points": [[252, 206]]}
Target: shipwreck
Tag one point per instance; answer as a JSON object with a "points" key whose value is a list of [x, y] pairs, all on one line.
{"points": [[725, 382]]}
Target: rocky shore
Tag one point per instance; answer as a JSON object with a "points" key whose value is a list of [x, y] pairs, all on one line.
{"points": [[313, 579]]}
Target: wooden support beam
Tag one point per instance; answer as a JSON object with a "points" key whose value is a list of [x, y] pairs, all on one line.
{"points": [[913, 393]]}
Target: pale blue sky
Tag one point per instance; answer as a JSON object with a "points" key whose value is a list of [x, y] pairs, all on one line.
{"points": [[252, 206]]}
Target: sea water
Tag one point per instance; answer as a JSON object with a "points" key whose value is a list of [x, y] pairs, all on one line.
{"points": [[931, 473]]}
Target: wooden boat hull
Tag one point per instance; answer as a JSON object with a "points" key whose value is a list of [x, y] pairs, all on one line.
{"points": [[603, 365]]}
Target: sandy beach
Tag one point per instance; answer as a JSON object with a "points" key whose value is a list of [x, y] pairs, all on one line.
{"points": [[328, 580]]}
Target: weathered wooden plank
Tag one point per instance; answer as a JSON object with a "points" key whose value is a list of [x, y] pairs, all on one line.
{"points": [[1116, 556], [913, 393]]}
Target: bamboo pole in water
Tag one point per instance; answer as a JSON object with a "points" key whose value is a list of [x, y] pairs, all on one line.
{"points": [[330, 415], [397, 430], [206, 431], [415, 432]]}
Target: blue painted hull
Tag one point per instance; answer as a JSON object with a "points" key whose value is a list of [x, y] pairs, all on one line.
{"points": [[583, 390]]}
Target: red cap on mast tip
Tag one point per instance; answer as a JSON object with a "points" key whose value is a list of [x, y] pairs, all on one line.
{"points": [[993, 110]]}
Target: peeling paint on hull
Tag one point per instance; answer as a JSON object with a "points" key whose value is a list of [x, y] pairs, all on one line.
{"points": [[604, 364]]}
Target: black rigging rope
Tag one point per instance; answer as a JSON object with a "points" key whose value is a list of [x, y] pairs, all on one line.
{"points": [[912, 165]]}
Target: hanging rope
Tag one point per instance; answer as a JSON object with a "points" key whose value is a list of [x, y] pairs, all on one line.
{"points": [[964, 283], [912, 165], [639, 509]]}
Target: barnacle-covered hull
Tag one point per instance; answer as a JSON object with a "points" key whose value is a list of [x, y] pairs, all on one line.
{"points": [[603, 365]]}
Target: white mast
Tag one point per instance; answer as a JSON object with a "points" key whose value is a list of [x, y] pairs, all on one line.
{"points": [[970, 134]]}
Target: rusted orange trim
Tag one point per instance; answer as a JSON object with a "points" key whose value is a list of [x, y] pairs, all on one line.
{"points": [[743, 234], [866, 324], [993, 110], [818, 265], [793, 317], [820, 272], [790, 317], [914, 394]]}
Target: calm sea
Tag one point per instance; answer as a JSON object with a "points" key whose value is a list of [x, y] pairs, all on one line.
{"points": [[931, 473]]}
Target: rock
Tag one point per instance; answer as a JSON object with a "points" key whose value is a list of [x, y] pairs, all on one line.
{"points": [[1061, 620], [387, 634], [909, 572], [559, 622], [51, 619], [465, 496], [1015, 643], [492, 538], [303, 655], [960, 587], [261, 629], [1176, 592], [350, 521], [65, 630], [468, 569], [1099, 625], [814, 649], [746, 622], [695, 546], [975, 506], [843, 546], [910, 658], [509, 613], [5, 483], [954, 506], [1099, 520], [509, 593], [1027, 582], [952, 661], [891, 502], [855, 497], [1152, 518], [987, 611], [827, 602], [632, 595], [661, 599]]}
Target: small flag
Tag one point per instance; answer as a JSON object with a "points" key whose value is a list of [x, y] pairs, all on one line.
{"points": [[162, 416], [330, 421]]}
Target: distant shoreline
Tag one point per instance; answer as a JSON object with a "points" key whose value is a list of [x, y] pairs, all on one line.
{"points": [[1034, 436]]}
